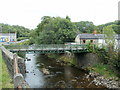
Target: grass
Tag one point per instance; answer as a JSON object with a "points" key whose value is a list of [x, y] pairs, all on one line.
{"points": [[0, 71], [104, 70], [5, 80]]}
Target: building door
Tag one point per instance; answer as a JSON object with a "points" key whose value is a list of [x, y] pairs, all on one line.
{"points": [[84, 41]]}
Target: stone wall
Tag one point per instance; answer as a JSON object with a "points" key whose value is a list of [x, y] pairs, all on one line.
{"points": [[18, 77], [8, 57]]}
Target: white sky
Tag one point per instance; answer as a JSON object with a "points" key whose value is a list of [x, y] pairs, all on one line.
{"points": [[28, 13]]}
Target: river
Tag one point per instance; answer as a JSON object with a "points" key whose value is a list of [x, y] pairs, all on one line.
{"points": [[60, 75]]}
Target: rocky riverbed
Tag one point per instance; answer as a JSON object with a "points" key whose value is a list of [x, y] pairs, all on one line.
{"points": [[101, 80], [51, 73]]}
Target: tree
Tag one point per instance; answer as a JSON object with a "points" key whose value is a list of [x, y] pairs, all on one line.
{"points": [[85, 26], [20, 30], [55, 30], [115, 26], [110, 41], [45, 20], [109, 35], [67, 17]]}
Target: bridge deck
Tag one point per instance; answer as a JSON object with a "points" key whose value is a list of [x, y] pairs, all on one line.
{"points": [[54, 48]]}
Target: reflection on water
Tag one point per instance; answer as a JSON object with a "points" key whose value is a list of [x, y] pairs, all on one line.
{"points": [[33, 75], [60, 75]]}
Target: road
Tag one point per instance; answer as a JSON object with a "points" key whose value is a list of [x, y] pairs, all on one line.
{"points": [[8, 43]]}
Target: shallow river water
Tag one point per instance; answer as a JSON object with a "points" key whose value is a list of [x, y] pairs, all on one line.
{"points": [[60, 75]]}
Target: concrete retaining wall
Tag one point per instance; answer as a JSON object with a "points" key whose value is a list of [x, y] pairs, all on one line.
{"points": [[85, 60]]}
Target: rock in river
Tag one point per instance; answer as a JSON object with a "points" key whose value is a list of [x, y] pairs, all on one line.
{"points": [[45, 71]]}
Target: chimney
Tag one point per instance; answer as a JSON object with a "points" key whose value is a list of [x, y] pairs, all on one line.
{"points": [[94, 32]]}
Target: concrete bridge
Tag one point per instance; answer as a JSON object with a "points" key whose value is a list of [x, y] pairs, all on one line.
{"points": [[50, 48]]}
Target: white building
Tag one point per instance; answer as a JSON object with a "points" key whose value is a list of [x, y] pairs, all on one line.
{"points": [[8, 37], [98, 39]]}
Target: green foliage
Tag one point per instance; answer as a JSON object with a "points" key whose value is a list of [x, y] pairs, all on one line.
{"points": [[103, 55], [53, 30], [67, 17], [5, 80], [115, 26], [91, 47], [109, 35], [109, 58], [24, 43], [117, 61], [103, 69], [85, 26], [22, 38], [112, 55], [20, 30]]}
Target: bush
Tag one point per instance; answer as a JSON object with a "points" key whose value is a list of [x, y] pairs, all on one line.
{"points": [[24, 43], [22, 38], [107, 56]]}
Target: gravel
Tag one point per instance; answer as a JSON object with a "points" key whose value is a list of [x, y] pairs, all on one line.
{"points": [[107, 82]]}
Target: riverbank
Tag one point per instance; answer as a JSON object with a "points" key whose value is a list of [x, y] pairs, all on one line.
{"points": [[5, 80], [111, 82], [104, 76], [101, 73], [70, 60]]}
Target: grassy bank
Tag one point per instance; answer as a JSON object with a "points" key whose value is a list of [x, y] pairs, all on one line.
{"points": [[0, 71], [107, 62], [104, 70], [5, 80]]}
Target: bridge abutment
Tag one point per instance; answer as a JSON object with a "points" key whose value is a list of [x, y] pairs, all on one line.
{"points": [[85, 60]]}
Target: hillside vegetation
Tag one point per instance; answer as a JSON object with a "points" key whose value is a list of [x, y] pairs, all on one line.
{"points": [[22, 32]]}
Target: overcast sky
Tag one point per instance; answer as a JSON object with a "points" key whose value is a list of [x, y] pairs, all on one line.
{"points": [[28, 13]]}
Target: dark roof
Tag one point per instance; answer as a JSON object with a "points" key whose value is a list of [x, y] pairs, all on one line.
{"points": [[93, 36]]}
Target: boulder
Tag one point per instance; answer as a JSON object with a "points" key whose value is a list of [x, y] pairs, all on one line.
{"points": [[45, 71]]}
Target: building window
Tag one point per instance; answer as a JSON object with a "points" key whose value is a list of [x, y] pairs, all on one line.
{"points": [[84, 41], [91, 41]]}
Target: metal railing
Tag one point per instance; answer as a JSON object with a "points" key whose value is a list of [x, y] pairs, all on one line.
{"points": [[44, 46], [48, 48]]}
